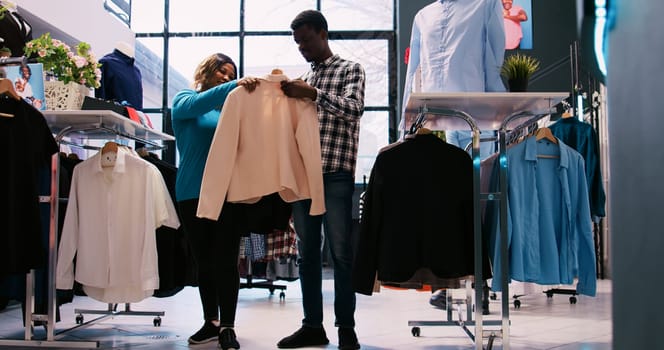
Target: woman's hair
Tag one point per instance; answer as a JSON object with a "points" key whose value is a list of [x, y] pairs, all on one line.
{"points": [[207, 69]]}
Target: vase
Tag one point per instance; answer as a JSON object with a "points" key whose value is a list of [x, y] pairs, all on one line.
{"points": [[517, 84], [60, 96]]}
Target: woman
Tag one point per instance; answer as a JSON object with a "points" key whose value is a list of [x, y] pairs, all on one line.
{"points": [[215, 244]]}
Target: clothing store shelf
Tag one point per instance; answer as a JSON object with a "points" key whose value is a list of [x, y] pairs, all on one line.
{"points": [[487, 109], [506, 112], [101, 125], [85, 126]]}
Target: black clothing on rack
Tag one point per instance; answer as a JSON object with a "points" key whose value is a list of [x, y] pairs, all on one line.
{"points": [[28, 145], [177, 268], [418, 213]]}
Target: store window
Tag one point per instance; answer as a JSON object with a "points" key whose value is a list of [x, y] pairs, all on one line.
{"points": [[359, 15], [257, 35], [275, 15], [203, 15]]}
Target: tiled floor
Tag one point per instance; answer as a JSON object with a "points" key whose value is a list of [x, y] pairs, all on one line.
{"points": [[382, 321]]}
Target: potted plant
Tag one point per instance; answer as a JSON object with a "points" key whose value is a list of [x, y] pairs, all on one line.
{"points": [[517, 69], [75, 71]]}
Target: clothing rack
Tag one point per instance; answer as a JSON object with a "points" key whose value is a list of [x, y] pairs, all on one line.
{"points": [[90, 125], [486, 111], [267, 284]]}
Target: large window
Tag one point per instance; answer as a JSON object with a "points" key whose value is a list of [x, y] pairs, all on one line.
{"points": [[174, 36]]}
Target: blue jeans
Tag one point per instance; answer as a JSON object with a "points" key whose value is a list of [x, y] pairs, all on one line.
{"points": [[337, 222]]}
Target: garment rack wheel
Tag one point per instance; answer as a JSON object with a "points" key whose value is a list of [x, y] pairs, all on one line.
{"points": [[79, 319], [157, 321], [282, 296], [415, 331]]}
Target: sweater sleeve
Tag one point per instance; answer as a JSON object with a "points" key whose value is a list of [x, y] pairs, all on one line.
{"points": [[221, 157], [64, 275], [189, 104]]}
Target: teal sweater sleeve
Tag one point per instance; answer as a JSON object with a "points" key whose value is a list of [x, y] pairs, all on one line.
{"points": [[195, 116]]}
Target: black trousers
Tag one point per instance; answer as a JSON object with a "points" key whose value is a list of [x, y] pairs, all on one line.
{"points": [[215, 246]]}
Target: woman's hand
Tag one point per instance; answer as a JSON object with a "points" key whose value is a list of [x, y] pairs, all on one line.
{"points": [[249, 83]]}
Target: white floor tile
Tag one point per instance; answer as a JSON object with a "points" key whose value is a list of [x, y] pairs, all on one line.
{"points": [[382, 321]]}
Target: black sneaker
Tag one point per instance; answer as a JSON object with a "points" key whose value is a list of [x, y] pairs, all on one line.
{"points": [[228, 340], [207, 333], [305, 336], [439, 299], [348, 339]]}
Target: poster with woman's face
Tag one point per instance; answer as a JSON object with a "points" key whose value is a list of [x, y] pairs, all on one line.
{"points": [[517, 16], [28, 82]]}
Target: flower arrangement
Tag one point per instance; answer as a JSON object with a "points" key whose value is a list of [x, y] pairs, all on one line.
{"points": [[67, 66]]}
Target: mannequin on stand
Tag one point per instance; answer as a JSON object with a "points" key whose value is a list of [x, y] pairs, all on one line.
{"points": [[120, 78]]}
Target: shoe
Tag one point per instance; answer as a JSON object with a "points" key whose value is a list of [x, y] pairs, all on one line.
{"points": [[485, 308], [439, 299], [305, 336], [228, 340], [348, 339], [207, 333]]}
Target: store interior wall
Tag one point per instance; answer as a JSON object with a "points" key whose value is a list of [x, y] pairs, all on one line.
{"points": [[636, 51], [73, 21]]}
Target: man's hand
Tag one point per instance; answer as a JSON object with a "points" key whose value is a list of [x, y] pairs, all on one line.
{"points": [[299, 89], [249, 83]]}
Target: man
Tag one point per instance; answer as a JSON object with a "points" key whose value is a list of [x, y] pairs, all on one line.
{"points": [[337, 87], [457, 46], [513, 15]]}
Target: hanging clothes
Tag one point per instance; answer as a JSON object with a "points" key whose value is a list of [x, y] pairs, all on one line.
{"points": [[582, 137], [550, 237], [110, 226], [28, 145], [177, 267], [418, 213]]}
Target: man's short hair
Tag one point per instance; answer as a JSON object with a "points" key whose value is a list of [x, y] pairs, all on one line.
{"points": [[312, 18]]}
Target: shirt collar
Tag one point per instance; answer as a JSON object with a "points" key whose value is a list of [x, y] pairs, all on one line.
{"points": [[275, 77], [531, 151], [327, 62], [123, 57]]}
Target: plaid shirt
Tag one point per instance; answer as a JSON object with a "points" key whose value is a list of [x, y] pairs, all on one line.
{"points": [[340, 100]]}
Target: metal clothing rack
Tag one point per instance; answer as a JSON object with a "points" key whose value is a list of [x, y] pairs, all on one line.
{"points": [[266, 284], [88, 125], [487, 111]]}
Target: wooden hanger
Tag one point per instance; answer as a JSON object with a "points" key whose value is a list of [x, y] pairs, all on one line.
{"points": [[566, 114], [277, 71], [545, 133], [109, 147], [109, 154]]}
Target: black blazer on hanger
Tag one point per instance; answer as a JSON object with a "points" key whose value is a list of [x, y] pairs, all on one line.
{"points": [[418, 213]]}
